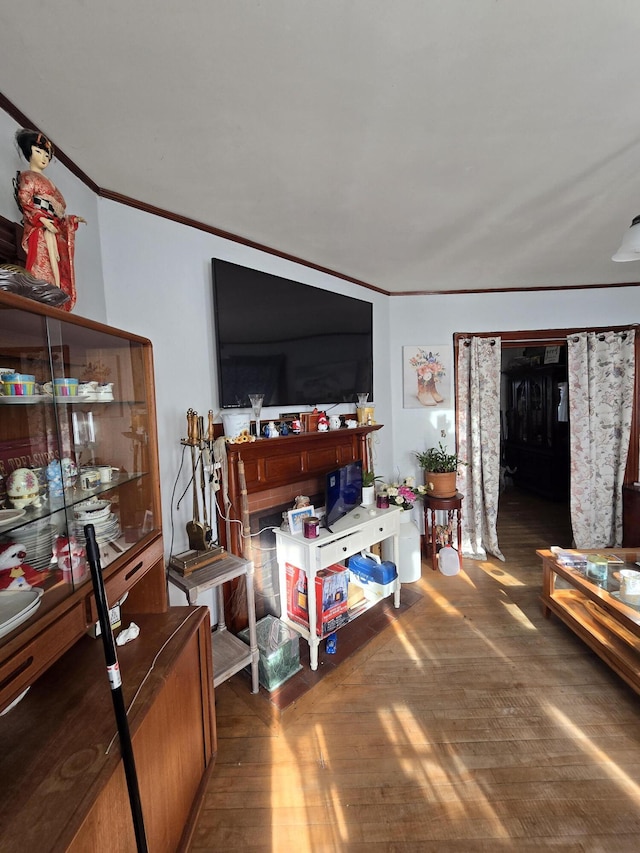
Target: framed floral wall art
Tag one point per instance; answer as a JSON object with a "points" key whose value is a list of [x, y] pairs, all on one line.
{"points": [[426, 376]]}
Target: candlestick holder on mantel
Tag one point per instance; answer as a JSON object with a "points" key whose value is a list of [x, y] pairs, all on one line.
{"points": [[256, 404]]}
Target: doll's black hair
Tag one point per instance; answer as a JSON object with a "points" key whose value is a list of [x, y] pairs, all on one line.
{"points": [[26, 139]]}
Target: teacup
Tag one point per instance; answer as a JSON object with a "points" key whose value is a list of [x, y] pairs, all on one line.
{"points": [[61, 387], [18, 384], [630, 586], [89, 478]]}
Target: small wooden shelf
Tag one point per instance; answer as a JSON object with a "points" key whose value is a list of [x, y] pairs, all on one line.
{"points": [[230, 654]]}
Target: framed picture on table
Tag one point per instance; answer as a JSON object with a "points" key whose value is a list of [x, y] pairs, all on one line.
{"points": [[296, 518]]}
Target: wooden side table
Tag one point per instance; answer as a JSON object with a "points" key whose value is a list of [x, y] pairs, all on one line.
{"points": [[230, 654], [453, 508]]}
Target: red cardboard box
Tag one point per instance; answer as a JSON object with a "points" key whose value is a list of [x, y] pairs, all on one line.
{"points": [[332, 588]]}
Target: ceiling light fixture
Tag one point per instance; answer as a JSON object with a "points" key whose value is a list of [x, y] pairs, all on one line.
{"points": [[630, 248]]}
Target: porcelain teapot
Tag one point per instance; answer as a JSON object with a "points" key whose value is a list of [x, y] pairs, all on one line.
{"points": [[104, 391]]}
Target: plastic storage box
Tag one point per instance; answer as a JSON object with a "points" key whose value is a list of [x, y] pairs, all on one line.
{"points": [[279, 648], [377, 578]]}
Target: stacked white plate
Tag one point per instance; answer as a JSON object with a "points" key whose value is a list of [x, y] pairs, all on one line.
{"points": [[37, 539], [16, 606], [98, 513], [8, 517]]}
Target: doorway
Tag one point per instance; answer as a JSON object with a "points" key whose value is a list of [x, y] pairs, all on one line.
{"points": [[534, 471], [535, 454]]}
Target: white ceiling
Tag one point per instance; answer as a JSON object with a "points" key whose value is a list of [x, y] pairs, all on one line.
{"points": [[416, 145]]}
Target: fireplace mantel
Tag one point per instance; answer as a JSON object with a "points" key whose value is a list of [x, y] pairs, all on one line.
{"points": [[278, 469]]}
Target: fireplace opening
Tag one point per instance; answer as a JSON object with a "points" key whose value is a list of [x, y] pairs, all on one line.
{"points": [[263, 546]]}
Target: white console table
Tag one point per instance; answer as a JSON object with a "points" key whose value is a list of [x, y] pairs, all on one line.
{"points": [[363, 528]]}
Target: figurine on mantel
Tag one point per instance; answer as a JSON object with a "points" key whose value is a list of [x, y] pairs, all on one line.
{"points": [[49, 234]]}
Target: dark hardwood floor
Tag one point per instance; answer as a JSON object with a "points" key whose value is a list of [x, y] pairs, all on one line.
{"points": [[470, 723]]}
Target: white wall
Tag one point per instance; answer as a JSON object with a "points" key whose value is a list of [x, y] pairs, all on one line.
{"points": [[433, 320], [79, 199], [158, 284], [153, 277]]}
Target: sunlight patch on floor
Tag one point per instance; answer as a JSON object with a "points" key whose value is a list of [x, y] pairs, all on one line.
{"points": [[338, 823], [429, 774], [516, 613], [627, 784], [499, 574]]}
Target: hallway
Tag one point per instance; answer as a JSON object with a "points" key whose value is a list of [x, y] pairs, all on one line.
{"points": [[470, 724]]}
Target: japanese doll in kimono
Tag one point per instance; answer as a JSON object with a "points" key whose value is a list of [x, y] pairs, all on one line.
{"points": [[49, 234]]}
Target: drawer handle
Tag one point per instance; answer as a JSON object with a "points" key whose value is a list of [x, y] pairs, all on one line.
{"points": [[135, 569], [16, 672], [344, 548]]}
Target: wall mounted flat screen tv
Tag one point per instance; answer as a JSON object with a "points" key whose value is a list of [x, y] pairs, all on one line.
{"points": [[343, 492], [296, 344]]}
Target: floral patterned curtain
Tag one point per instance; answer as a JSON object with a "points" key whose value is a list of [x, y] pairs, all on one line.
{"points": [[478, 413], [601, 369]]}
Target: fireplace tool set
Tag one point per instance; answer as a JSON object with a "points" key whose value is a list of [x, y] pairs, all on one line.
{"points": [[199, 530]]}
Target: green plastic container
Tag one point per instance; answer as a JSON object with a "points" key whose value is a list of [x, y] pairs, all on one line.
{"points": [[279, 648]]}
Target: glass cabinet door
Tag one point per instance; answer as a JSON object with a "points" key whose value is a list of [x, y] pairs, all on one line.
{"points": [[74, 450]]}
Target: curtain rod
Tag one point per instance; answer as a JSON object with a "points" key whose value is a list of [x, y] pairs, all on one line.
{"points": [[544, 341]]}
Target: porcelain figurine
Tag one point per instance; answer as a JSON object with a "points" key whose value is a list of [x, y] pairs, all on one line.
{"points": [[49, 232], [335, 422], [296, 426], [14, 572], [323, 423], [271, 430], [70, 557], [61, 475]]}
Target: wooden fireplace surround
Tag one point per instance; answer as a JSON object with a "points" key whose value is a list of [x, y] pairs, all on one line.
{"points": [[278, 469]]}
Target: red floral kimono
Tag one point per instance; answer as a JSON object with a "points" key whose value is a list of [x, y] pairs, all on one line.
{"points": [[39, 199]]}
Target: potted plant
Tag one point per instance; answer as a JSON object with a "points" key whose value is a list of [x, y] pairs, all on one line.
{"points": [[369, 481], [440, 469]]}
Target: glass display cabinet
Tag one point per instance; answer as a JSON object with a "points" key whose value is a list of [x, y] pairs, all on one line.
{"points": [[597, 595], [77, 446]]}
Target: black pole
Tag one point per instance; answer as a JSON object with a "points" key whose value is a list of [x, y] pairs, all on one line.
{"points": [[113, 672]]}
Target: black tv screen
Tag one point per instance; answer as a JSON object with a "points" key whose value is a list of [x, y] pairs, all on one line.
{"points": [[296, 344], [343, 492]]}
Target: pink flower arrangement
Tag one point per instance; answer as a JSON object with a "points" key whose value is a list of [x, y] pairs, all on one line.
{"points": [[405, 493], [428, 365]]}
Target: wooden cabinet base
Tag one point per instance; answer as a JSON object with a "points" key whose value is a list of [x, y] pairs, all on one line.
{"points": [[63, 784], [595, 613]]}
